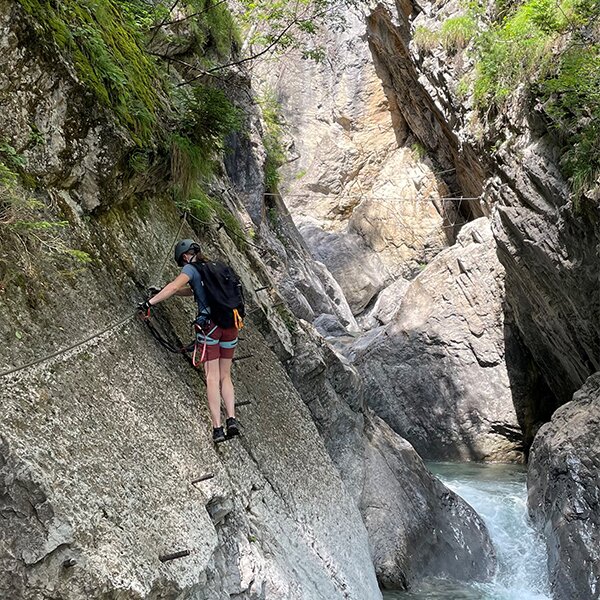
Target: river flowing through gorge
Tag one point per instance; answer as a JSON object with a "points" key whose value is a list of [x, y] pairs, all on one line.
{"points": [[499, 494]]}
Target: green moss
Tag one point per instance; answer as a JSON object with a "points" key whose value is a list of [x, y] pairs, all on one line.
{"points": [[206, 209], [202, 207], [30, 229], [288, 318], [272, 139], [105, 45], [215, 27], [419, 150]]}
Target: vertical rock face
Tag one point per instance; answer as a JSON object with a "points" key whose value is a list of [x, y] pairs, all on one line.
{"points": [[40, 94], [359, 187], [100, 448], [421, 105], [548, 249], [551, 254], [564, 493], [403, 550], [306, 285], [437, 372]]}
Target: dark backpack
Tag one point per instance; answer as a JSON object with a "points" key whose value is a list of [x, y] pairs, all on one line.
{"points": [[223, 293]]}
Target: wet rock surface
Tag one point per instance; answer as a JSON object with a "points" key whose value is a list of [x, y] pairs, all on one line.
{"points": [[564, 493]]}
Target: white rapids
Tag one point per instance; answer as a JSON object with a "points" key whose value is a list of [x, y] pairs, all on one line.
{"points": [[499, 494]]}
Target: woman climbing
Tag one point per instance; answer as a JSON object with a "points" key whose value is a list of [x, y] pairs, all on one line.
{"points": [[217, 292]]}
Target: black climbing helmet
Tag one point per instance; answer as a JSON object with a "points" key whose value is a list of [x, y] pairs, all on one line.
{"points": [[185, 246]]}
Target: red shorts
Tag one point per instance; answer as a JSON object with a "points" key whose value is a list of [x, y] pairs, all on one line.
{"points": [[215, 342]]}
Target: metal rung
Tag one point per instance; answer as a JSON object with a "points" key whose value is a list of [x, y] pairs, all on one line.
{"points": [[166, 557], [203, 478], [243, 357]]}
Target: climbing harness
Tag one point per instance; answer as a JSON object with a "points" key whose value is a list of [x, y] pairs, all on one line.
{"points": [[201, 339], [207, 340]]}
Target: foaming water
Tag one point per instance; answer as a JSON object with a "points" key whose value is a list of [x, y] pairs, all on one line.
{"points": [[499, 494]]}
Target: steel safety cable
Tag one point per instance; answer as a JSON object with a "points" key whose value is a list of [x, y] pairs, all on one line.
{"points": [[97, 334]]}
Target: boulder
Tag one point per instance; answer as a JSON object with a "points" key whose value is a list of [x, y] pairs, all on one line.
{"points": [[564, 493], [328, 325], [416, 526], [386, 306], [358, 270], [437, 372]]}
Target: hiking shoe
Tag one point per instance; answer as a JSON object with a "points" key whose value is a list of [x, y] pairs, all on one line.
{"points": [[232, 427], [218, 435]]}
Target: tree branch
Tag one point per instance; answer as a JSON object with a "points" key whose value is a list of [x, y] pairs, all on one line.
{"points": [[163, 21], [163, 24], [248, 58]]}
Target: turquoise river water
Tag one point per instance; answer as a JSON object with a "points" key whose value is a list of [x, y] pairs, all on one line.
{"points": [[499, 494]]}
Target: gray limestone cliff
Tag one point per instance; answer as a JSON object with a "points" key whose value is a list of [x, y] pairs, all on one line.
{"points": [[506, 164], [437, 372], [548, 249]]}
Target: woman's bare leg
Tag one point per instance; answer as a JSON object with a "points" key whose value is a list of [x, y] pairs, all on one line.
{"points": [[227, 386], [211, 369]]}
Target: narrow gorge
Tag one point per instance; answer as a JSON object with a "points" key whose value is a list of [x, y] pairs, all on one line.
{"points": [[417, 236]]}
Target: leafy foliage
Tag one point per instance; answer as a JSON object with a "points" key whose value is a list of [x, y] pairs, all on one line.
{"points": [[572, 95], [106, 49], [272, 139], [11, 158], [280, 25], [553, 48], [25, 222], [457, 32], [205, 118]]}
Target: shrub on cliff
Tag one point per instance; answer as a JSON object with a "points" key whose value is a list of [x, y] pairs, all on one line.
{"points": [[554, 49]]}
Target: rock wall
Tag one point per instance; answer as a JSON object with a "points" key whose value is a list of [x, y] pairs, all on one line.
{"points": [[358, 185], [548, 249], [101, 446], [49, 93], [412, 520], [564, 493], [437, 373]]}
